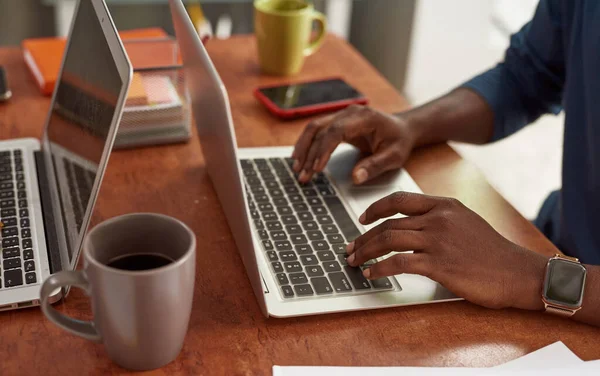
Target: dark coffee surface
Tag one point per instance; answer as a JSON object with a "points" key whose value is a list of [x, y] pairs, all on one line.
{"points": [[139, 262]]}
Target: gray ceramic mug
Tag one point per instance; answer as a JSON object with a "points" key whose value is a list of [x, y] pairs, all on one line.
{"points": [[141, 317]]}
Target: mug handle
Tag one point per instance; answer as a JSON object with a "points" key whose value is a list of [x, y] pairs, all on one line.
{"points": [[85, 329], [315, 44]]}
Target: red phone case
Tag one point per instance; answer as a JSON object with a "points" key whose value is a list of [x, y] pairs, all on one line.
{"points": [[306, 110]]}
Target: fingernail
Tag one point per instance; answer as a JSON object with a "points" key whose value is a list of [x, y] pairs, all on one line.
{"points": [[316, 164], [350, 248], [367, 273], [350, 259], [362, 218], [296, 165], [303, 175], [361, 176]]}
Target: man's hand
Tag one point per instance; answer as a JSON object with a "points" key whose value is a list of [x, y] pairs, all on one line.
{"points": [[387, 141], [453, 246]]}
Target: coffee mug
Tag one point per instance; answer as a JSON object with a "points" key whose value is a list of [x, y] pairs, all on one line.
{"points": [[283, 30], [139, 273]]}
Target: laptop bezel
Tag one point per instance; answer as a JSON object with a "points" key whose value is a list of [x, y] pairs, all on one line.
{"points": [[125, 73]]}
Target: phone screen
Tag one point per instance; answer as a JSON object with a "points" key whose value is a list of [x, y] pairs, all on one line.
{"points": [[310, 93]]}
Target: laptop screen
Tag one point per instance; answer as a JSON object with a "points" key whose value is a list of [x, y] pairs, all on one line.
{"points": [[84, 106]]}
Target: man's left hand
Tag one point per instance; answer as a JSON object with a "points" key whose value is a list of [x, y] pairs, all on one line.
{"points": [[453, 246]]}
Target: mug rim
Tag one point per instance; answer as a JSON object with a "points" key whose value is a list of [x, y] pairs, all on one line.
{"points": [[284, 13], [173, 265]]}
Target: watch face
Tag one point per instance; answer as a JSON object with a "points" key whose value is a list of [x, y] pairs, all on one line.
{"points": [[564, 283]]}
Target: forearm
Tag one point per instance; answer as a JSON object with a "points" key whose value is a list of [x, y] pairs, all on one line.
{"points": [[461, 115]]}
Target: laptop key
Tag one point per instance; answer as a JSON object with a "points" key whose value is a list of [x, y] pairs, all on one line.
{"points": [[8, 213], [5, 177], [23, 213], [261, 198], [298, 239], [283, 245], [332, 266], [340, 282], [253, 180], [293, 229], [321, 285], [10, 252], [265, 207], [343, 220], [295, 198], [10, 242], [310, 225], [22, 194], [330, 229], [324, 219], [320, 245], [292, 267], [267, 245], [246, 163], [319, 210], [254, 214], [11, 263], [7, 194], [13, 278], [288, 291], [7, 204], [278, 235], [22, 203], [326, 256], [8, 186], [18, 167], [335, 238], [305, 216], [289, 220], [326, 191], [258, 224], [29, 266], [309, 192], [284, 210], [340, 249], [24, 222], [257, 189], [272, 255], [9, 231], [20, 177], [382, 283], [5, 169], [27, 254], [298, 278], [287, 181], [303, 249], [30, 278], [21, 185], [277, 268], [288, 256], [17, 152], [274, 226], [272, 185], [356, 277], [342, 260], [267, 176], [263, 234], [314, 271], [250, 172], [308, 260], [280, 202], [315, 235], [300, 207], [290, 189], [314, 201], [260, 162], [304, 290], [12, 221], [275, 192], [269, 216], [282, 279]]}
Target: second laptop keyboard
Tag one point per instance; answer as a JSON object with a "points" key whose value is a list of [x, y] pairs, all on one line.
{"points": [[304, 229]]}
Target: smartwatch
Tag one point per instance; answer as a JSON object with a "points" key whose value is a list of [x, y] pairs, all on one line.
{"points": [[564, 283]]}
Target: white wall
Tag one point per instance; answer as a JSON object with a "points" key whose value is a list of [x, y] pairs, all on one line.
{"points": [[451, 42]]}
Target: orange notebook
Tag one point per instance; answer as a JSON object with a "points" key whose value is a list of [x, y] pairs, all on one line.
{"points": [[43, 56]]}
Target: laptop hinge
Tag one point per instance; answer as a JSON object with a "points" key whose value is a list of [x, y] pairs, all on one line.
{"points": [[48, 214]]}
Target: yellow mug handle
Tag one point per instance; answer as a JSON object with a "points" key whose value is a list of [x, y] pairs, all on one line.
{"points": [[318, 41]]}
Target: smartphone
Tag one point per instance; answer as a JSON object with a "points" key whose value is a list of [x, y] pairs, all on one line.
{"points": [[308, 98], [5, 92]]}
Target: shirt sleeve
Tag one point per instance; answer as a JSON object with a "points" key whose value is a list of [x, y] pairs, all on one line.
{"points": [[530, 80]]}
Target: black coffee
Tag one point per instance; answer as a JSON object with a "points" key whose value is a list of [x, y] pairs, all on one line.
{"points": [[139, 262]]}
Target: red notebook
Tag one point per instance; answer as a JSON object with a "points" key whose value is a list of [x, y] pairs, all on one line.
{"points": [[43, 56]]}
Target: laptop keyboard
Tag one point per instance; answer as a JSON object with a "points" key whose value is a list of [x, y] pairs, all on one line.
{"points": [[18, 263], [304, 229]]}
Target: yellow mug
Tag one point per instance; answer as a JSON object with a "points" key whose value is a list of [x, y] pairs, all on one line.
{"points": [[283, 31]]}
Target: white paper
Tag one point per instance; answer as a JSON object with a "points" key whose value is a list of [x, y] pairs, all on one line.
{"points": [[553, 360], [556, 355]]}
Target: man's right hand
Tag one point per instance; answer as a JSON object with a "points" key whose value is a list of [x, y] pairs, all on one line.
{"points": [[385, 140]]}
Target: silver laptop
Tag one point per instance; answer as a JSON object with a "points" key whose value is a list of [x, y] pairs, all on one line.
{"points": [[291, 237], [48, 188]]}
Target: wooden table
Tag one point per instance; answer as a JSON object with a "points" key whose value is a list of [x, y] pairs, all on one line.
{"points": [[227, 334]]}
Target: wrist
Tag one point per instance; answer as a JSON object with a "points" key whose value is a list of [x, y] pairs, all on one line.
{"points": [[527, 291]]}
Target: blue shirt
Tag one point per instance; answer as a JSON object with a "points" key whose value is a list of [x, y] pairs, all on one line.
{"points": [[553, 64]]}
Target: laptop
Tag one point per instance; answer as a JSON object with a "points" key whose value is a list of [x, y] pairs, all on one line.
{"points": [[291, 237], [48, 188]]}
